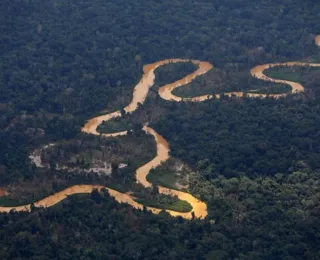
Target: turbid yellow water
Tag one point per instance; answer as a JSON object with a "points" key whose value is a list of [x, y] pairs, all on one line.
{"points": [[139, 95], [317, 40]]}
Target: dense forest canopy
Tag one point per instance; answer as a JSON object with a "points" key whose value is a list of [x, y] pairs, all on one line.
{"points": [[76, 57], [255, 162], [251, 137]]}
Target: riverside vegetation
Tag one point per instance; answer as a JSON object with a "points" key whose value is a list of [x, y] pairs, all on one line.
{"points": [[238, 201]]}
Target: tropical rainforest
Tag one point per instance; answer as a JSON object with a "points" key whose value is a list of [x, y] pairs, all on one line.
{"points": [[255, 162]]}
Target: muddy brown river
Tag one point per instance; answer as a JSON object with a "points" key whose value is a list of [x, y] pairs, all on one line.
{"points": [[140, 93], [317, 40]]}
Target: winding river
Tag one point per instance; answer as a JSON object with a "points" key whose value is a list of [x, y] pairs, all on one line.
{"points": [[199, 208]]}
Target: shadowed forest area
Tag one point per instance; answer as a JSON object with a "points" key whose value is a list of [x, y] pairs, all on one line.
{"points": [[254, 162]]}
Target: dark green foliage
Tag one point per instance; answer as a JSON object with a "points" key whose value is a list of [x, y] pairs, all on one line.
{"points": [[115, 125], [77, 58], [79, 228], [63, 61], [167, 203], [251, 136], [169, 73], [95, 196]]}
